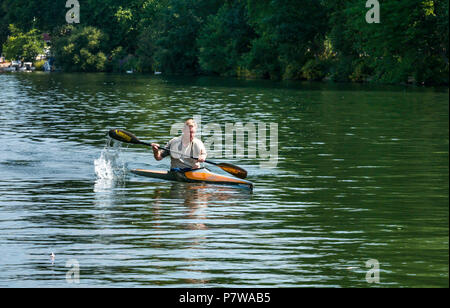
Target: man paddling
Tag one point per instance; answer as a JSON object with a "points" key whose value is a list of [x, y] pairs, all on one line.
{"points": [[182, 148]]}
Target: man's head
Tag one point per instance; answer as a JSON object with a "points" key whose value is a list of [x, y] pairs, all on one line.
{"points": [[191, 127]]}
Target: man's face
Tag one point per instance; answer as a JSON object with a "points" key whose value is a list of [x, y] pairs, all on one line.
{"points": [[192, 129]]}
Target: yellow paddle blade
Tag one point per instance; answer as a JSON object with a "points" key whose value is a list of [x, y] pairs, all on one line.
{"points": [[123, 136], [234, 170]]}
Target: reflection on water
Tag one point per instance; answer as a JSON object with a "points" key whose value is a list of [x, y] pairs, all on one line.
{"points": [[362, 174]]}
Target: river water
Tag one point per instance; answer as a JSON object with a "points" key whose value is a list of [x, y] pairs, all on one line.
{"points": [[358, 191]]}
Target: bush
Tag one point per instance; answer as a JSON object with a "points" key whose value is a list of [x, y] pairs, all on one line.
{"points": [[20, 45], [361, 71], [131, 62], [116, 60], [314, 69], [293, 71], [392, 70], [432, 70], [262, 61], [80, 49], [39, 65], [341, 69]]}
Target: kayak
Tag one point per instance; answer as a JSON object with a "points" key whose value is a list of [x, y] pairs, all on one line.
{"points": [[202, 175]]}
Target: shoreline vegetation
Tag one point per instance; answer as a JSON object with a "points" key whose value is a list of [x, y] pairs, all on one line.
{"points": [[255, 39]]}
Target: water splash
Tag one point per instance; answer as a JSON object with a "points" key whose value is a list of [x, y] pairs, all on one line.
{"points": [[110, 168]]}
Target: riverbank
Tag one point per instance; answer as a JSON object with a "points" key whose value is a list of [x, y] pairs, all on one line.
{"points": [[326, 81]]}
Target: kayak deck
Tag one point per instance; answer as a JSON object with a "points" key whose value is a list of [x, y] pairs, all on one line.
{"points": [[195, 176]]}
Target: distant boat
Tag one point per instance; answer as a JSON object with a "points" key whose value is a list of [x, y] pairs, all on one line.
{"points": [[27, 67], [9, 69]]}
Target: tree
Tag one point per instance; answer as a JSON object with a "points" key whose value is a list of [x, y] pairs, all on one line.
{"points": [[224, 39], [292, 31], [80, 49], [39, 14], [21, 45], [289, 39], [149, 31], [174, 32], [409, 41]]}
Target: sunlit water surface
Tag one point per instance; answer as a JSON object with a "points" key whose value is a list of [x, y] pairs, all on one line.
{"points": [[361, 174]]}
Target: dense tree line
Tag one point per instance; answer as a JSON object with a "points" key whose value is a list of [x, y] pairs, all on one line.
{"points": [[277, 39]]}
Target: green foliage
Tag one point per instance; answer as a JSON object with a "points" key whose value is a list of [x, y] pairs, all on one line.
{"points": [[131, 62], [341, 68], [38, 14], [314, 69], [277, 39], [146, 50], [361, 71], [80, 49], [262, 60], [39, 65], [20, 45], [224, 38], [175, 33], [290, 31], [406, 43], [116, 60]]}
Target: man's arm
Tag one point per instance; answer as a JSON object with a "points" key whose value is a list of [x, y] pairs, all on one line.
{"points": [[203, 154], [157, 152]]}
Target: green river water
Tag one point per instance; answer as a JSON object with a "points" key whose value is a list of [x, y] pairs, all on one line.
{"points": [[360, 173]]}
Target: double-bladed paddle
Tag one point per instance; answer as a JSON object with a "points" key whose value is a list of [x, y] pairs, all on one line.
{"points": [[125, 136]]}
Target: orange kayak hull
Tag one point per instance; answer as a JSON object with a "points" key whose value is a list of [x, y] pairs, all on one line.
{"points": [[200, 175]]}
